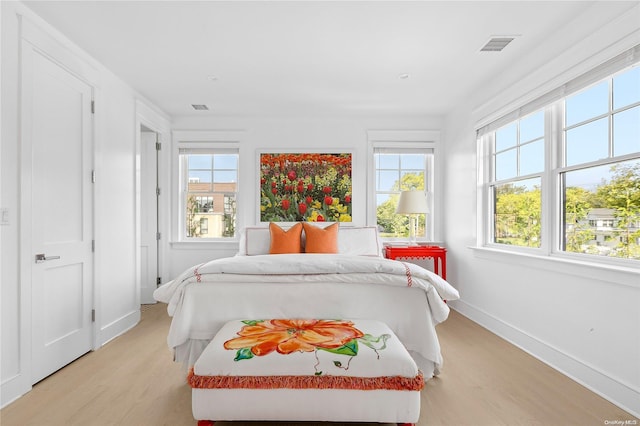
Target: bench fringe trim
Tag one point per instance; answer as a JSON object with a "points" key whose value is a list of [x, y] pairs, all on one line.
{"points": [[306, 382]]}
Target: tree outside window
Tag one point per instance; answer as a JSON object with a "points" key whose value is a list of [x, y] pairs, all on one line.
{"points": [[604, 218], [395, 171], [590, 179]]}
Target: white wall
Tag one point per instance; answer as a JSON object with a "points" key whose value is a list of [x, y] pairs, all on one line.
{"points": [[116, 289], [582, 320], [289, 134], [9, 285], [117, 307]]}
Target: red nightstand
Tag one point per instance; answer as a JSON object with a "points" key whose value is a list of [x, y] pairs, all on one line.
{"points": [[437, 253]]}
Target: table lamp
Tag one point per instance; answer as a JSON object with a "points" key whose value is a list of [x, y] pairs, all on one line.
{"points": [[412, 203]]}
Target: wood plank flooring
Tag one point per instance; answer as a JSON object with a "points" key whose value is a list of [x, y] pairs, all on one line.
{"points": [[485, 381]]}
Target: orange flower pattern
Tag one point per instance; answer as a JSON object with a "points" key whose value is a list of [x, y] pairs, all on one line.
{"points": [[290, 335], [286, 336]]}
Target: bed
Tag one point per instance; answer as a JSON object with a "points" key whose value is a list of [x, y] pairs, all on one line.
{"points": [[354, 282]]}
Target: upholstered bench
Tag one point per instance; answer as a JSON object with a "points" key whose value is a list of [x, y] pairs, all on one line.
{"points": [[306, 370]]}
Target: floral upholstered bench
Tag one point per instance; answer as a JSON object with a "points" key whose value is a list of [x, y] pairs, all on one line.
{"points": [[306, 370]]}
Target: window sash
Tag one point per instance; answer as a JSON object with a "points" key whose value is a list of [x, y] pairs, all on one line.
{"points": [[425, 223], [553, 233], [217, 192]]}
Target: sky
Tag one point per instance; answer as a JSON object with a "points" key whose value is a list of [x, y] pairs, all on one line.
{"points": [[591, 132]]}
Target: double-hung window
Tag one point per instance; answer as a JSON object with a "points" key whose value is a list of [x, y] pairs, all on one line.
{"points": [[599, 172], [518, 164], [402, 160], [208, 192], [564, 177]]}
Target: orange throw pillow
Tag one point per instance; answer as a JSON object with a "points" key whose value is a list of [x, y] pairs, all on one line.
{"points": [[285, 241], [321, 240]]}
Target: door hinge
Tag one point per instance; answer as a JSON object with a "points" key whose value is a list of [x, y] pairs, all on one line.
{"points": [[157, 192], [159, 281], [158, 236], [93, 176], [93, 106], [93, 315], [93, 246], [158, 146]]}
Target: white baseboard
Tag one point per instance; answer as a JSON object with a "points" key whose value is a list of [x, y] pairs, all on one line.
{"points": [[621, 394], [117, 327], [146, 296], [13, 388]]}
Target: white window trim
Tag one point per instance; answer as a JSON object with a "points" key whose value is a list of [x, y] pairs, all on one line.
{"points": [[551, 230], [486, 211], [214, 139], [407, 139]]}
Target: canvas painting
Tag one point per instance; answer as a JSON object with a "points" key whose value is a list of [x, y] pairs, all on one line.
{"points": [[312, 187]]}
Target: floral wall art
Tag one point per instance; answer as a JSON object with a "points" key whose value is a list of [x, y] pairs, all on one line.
{"points": [[313, 187]]}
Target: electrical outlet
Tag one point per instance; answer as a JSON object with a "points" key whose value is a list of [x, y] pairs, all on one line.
{"points": [[4, 216]]}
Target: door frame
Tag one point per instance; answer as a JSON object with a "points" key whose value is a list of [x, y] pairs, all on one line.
{"points": [[156, 122]]}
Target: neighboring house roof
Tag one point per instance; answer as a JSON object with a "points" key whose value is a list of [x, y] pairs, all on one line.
{"points": [[601, 213]]}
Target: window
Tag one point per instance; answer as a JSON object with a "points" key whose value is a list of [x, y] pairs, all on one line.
{"points": [[396, 170], [600, 187], [204, 225], [566, 178], [518, 164], [208, 192], [203, 203]]}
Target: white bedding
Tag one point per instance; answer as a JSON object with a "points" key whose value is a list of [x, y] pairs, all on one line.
{"points": [[405, 296]]}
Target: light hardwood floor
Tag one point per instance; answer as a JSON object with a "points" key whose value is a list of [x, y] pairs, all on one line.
{"points": [[485, 381]]}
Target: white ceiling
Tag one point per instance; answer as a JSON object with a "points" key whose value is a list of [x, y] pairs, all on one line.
{"points": [[317, 58]]}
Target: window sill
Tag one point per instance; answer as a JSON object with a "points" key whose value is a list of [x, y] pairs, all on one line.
{"points": [[232, 244], [615, 274]]}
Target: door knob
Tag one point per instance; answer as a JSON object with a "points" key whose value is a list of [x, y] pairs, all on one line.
{"points": [[42, 258]]}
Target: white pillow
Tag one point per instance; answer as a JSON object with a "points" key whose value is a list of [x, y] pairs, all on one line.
{"points": [[254, 241], [361, 241]]}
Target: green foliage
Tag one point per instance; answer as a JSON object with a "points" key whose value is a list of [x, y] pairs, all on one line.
{"points": [[193, 223], [517, 215], [578, 202], [410, 181], [229, 219], [622, 194], [396, 225]]}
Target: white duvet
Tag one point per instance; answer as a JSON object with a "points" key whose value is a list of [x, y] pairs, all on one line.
{"points": [[407, 297]]}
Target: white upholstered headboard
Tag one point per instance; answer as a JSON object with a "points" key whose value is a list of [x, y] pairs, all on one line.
{"points": [[357, 241]]}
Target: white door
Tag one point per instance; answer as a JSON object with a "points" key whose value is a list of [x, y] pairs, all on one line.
{"points": [[148, 216], [58, 129]]}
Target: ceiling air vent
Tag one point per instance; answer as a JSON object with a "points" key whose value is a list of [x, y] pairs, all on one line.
{"points": [[496, 44], [200, 107]]}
